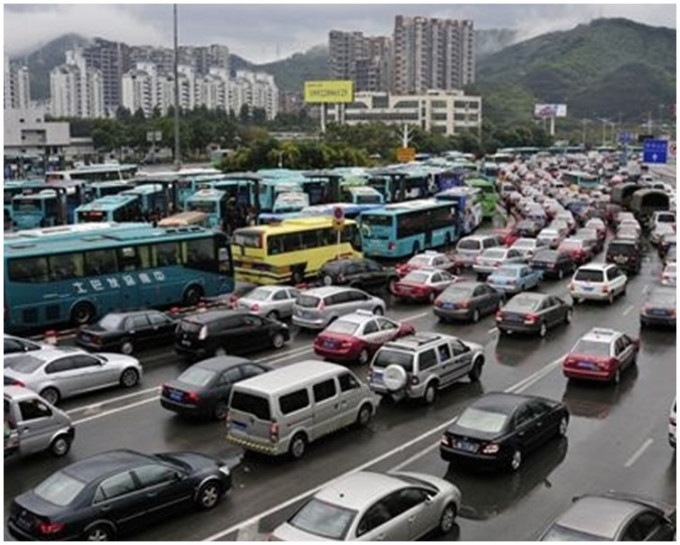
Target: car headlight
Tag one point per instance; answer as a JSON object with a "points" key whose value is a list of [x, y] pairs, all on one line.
{"points": [[225, 470]]}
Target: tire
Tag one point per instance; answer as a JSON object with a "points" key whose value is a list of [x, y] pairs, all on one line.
{"points": [[430, 394], [60, 446], [221, 409], [273, 315], [129, 378], [378, 311], [476, 371], [364, 416], [298, 446], [543, 330], [51, 395], [447, 518], [208, 496], [562, 429], [220, 351], [82, 313], [99, 532], [327, 280], [363, 357], [515, 460], [568, 316], [192, 296], [127, 347], [475, 315], [278, 340], [297, 277], [611, 298]]}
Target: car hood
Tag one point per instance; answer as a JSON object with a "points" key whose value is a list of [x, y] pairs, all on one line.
{"points": [[286, 532]]}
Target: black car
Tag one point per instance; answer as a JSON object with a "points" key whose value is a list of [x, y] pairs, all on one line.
{"points": [[219, 332], [659, 307], [533, 313], [467, 301], [528, 229], [499, 429], [17, 344], [553, 263], [364, 274], [127, 331], [204, 388], [110, 493], [625, 253]]}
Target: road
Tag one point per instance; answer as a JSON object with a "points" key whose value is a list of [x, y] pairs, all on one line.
{"points": [[617, 437]]}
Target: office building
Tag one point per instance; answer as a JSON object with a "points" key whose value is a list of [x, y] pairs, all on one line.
{"points": [[17, 86], [364, 60]]}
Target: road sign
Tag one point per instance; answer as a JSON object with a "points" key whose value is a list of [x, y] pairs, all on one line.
{"points": [[655, 151], [625, 137], [406, 155], [338, 218]]}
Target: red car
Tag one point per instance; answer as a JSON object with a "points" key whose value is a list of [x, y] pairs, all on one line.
{"points": [[601, 354], [577, 248], [423, 285], [356, 337], [507, 235], [427, 259]]}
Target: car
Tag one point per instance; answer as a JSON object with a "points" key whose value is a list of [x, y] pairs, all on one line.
{"points": [[359, 273], [601, 354], [356, 337], [662, 216], [598, 225], [106, 495], [218, 332], [562, 227], [493, 258], [203, 389], [514, 278], [369, 506], [659, 230], [528, 246], [423, 285], [612, 516], [597, 282], [626, 254], [15, 345], [567, 217], [417, 366], [273, 302], [629, 223], [553, 263], [580, 251], [428, 260], [467, 301], [126, 332], [317, 307], [591, 237], [659, 307], [506, 235], [671, 426], [470, 247], [533, 313], [628, 233], [550, 237], [59, 373], [669, 275], [665, 243]]}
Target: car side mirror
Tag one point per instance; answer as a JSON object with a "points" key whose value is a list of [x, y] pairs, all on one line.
{"points": [[179, 476], [429, 500]]}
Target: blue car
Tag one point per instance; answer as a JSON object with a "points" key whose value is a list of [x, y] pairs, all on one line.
{"points": [[514, 278]]}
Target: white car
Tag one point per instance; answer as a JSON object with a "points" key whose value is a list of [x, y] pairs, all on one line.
{"points": [[597, 282], [274, 302], [528, 246], [550, 237], [669, 275]]}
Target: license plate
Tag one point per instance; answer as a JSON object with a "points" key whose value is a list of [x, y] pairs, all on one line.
{"points": [[176, 396], [449, 306], [238, 425], [588, 288], [466, 446], [657, 312], [329, 344], [514, 317], [185, 342], [85, 338], [586, 365]]}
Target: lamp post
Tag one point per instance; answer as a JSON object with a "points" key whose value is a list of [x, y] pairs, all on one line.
{"points": [[178, 160], [584, 122]]}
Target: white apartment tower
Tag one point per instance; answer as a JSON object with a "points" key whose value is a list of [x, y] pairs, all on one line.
{"points": [[257, 90], [75, 89], [16, 86]]}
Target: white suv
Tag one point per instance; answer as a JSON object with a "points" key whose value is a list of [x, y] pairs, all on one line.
{"points": [[598, 282]]}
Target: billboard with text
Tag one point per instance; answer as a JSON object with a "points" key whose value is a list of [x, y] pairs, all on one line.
{"points": [[330, 91], [550, 110]]}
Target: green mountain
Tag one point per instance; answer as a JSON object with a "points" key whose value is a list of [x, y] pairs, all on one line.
{"points": [[612, 68]]}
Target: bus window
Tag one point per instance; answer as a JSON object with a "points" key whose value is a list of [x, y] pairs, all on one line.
{"points": [[166, 254], [99, 262], [129, 258], [275, 244], [200, 254], [66, 266], [31, 270], [310, 239]]}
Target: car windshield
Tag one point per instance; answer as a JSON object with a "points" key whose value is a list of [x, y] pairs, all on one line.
{"points": [[482, 420], [592, 348], [387, 357], [562, 533], [59, 489], [510, 272], [112, 322], [307, 301], [589, 275], [197, 376], [342, 327], [24, 363], [416, 277], [323, 519], [259, 294], [522, 303]]}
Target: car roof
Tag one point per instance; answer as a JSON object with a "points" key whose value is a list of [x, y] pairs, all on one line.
{"points": [[502, 401], [212, 315], [358, 317], [218, 363], [360, 489], [598, 515], [328, 290], [418, 340], [535, 295], [283, 377], [18, 393], [601, 334], [106, 463]]}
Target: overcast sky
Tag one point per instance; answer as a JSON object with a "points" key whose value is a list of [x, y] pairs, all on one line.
{"points": [[264, 33]]}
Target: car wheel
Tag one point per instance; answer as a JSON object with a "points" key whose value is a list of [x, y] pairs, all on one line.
{"points": [[568, 316], [543, 330], [364, 416], [475, 315], [515, 460], [82, 313], [363, 357], [562, 429], [127, 347], [298, 446], [447, 518], [51, 395], [476, 370], [192, 296], [378, 311], [273, 315], [278, 340], [220, 411], [208, 495], [60, 446], [327, 280], [430, 394], [129, 378], [99, 532], [220, 351]]}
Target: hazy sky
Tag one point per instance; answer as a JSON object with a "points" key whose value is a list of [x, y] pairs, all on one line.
{"points": [[267, 32]]}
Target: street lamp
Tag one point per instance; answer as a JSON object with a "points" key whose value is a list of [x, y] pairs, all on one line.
{"points": [[584, 122], [604, 125]]}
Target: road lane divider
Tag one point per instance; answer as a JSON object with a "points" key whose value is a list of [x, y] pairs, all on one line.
{"points": [[95, 406], [639, 452]]}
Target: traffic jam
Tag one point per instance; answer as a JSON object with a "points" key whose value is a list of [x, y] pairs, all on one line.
{"points": [[430, 369]]}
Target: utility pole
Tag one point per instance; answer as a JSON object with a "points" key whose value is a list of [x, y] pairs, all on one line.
{"points": [[406, 134], [178, 159]]}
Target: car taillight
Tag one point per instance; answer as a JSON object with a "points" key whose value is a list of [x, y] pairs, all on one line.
{"points": [[530, 318], [491, 448], [274, 432], [438, 303], [192, 397], [254, 307], [497, 263], [47, 527], [203, 333], [464, 304], [341, 277], [345, 344], [605, 289], [499, 315], [414, 380]]}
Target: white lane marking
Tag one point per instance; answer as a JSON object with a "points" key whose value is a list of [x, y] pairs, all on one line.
{"points": [[114, 411], [493, 331], [256, 518], [631, 307], [639, 452], [249, 532], [415, 316], [95, 406]]}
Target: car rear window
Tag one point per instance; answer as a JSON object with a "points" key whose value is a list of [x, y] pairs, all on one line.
{"points": [[619, 248], [592, 348], [457, 292], [386, 357], [482, 420], [307, 301], [342, 327], [252, 404], [112, 322], [59, 489], [510, 272], [197, 376], [24, 364], [494, 254], [189, 327], [468, 245], [416, 277], [589, 275], [522, 304]]}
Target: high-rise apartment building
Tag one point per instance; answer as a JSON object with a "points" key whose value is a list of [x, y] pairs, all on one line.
{"points": [[432, 53], [17, 86], [113, 60], [256, 90], [76, 90], [364, 60]]}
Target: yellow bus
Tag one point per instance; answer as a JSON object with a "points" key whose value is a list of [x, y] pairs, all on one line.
{"points": [[291, 251]]}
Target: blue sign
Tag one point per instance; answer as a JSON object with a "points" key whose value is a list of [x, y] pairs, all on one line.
{"points": [[655, 151], [625, 137]]}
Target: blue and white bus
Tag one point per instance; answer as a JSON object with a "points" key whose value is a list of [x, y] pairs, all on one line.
{"points": [[94, 173], [118, 208], [468, 201], [404, 229], [77, 273], [351, 211]]}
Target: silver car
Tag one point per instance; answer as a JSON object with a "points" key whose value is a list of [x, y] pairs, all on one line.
{"points": [[368, 506], [318, 307], [493, 258], [274, 302], [62, 372], [528, 246]]}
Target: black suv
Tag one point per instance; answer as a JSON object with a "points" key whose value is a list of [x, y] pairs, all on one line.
{"points": [[626, 253], [358, 273], [218, 332]]}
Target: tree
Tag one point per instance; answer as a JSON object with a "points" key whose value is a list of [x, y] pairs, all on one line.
{"points": [[244, 114]]}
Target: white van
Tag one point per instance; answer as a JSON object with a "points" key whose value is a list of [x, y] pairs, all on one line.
{"points": [[282, 411]]}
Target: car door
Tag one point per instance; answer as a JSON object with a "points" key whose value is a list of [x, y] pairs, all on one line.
{"points": [[526, 431], [375, 275], [280, 302], [287, 306], [349, 396], [551, 308], [355, 273], [64, 373], [545, 428], [388, 329], [139, 328], [379, 524], [233, 333], [95, 373], [327, 409], [35, 427], [413, 503], [484, 298], [119, 499], [514, 256], [162, 328], [359, 300], [222, 387], [254, 327], [161, 487], [371, 334]]}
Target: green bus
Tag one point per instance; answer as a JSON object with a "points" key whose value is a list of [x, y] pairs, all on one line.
{"points": [[489, 195]]}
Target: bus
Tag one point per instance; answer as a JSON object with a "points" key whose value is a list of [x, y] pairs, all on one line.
{"points": [[271, 188], [112, 187], [488, 193], [112, 208], [468, 202], [397, 185], [290, 251], [361, 195], [290, 201], [12, 188], [211, 202], [404, 229], [55, 204], [582, 180], [94, 173], [350, 211], [77, 273], [152, 198]]}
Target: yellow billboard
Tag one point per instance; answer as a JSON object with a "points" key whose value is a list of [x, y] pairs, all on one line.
{"points": [[329, 91]]}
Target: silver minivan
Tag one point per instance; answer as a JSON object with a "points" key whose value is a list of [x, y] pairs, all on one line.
{"points": [[33, 425], [282, 411], [318, 307]]}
